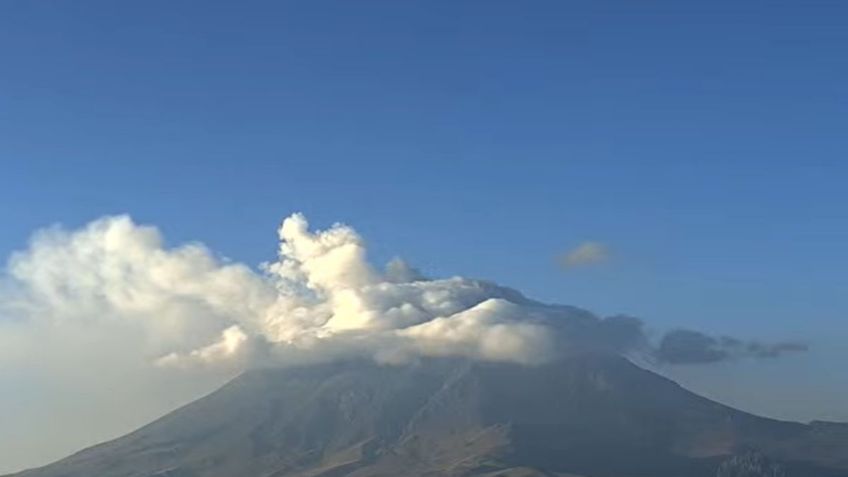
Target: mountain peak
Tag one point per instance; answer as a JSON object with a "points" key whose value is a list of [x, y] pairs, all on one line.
{"points": [[591, 414]]}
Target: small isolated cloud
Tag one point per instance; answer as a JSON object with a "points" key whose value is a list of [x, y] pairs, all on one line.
{"points": [[585, 254]]}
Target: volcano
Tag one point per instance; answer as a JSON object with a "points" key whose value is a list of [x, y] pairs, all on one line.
{"points": [[585, 415]]}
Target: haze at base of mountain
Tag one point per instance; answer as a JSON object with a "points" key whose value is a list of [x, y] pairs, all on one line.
{"points": [[589, 415]]}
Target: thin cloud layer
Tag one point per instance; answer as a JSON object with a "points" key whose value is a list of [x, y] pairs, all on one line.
{"points": [[694, 347]]}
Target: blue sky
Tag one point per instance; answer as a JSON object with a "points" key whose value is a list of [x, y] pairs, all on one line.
{"points": [[703, 142]]}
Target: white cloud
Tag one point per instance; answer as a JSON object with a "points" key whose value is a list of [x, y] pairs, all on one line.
{"points": [[125, 328], [586, 253], [488, 330], [114, 281]]}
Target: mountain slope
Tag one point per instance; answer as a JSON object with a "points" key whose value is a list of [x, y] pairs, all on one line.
{"points": [[590, 415]]}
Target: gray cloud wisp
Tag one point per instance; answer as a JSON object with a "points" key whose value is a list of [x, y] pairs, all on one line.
{"points": [[694, 347]]}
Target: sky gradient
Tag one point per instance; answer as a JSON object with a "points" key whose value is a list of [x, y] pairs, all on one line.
{"points": [[702, 145]]}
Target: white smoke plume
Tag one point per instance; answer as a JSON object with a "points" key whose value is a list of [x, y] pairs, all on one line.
{"points": [[123, 328], [104, 328], [321, 299], [328, 300]]}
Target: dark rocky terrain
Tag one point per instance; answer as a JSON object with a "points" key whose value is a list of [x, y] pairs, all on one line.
{"points": [[592, 415]]}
